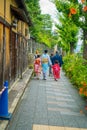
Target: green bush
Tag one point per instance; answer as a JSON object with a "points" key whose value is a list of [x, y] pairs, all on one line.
{"points": [[31, 66], [75, 68]]}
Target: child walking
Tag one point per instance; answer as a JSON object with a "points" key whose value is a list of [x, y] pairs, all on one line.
{"points": [[56, 70], [37, 66]]}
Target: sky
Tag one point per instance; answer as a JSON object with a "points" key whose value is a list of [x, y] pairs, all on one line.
{"points": [[48, 7]]}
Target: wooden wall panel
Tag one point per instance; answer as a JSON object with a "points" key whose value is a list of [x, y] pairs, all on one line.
{"points": [[13, 56], [2, 8], [1, 53], [7, 54]]}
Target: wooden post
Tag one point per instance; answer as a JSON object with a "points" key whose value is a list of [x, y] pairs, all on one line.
{"points": [[4, 45], [21, 51]]}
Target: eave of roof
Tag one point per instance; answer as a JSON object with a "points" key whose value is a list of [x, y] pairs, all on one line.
{"points": [[22, 6], [19, 13]]}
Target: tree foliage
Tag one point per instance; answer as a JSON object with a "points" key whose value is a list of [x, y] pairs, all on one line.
{"points": [[76, 12], [67, 29], [42, 23]]}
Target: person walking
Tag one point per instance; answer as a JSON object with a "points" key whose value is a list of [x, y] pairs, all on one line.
{"points": [[59, 59], [37, 66], [56, 57], [56, 70], [37, 53], [46, 62]]}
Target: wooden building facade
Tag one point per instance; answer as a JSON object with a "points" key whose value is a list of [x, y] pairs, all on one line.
{"points": [[14, 34]]}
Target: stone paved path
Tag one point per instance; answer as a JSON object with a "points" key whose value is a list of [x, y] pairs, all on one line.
{"points": [[50, 105]]}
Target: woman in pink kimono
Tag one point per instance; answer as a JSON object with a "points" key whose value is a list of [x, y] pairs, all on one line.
{"points": [[37, 66], [56, 70]]}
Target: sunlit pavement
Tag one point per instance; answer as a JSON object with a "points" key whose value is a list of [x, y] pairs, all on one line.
{"points": [[46, 127]]}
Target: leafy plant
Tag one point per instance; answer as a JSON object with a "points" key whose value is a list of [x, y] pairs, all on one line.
{"points": [[76, 69]]}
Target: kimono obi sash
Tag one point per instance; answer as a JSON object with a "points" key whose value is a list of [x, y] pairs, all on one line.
{"points": [[44, 60]]}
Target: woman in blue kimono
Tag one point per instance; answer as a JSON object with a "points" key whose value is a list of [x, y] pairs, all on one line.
{"points": [[45, 61]]}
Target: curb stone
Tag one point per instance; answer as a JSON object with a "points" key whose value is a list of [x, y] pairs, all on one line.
{"points": [[18, 87]]}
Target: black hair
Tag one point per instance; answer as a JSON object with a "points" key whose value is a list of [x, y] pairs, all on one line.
{"points": [[45, 51], [56, 61], [51, 54], [56, 52], [38, 56]]}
